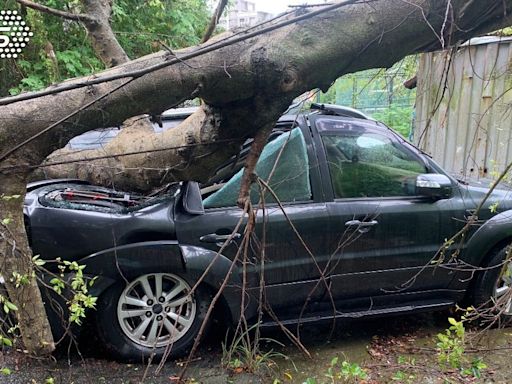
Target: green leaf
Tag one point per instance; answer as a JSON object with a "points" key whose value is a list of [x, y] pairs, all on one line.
{"points": [[11, 306], [37, 261], [5, 371]]}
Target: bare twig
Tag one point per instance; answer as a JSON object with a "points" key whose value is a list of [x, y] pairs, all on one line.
{"points": [[55, 12]]}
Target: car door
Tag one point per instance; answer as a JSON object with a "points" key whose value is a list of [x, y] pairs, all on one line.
{"points": [[383, 238], [290, 271]]}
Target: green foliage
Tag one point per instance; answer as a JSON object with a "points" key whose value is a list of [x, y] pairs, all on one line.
{"points": [[341, 372], [451, 350], [397, 117], [403, 377], [78, 284], [379, 93], [451, 344], [5, 371], [60, 49], [142, 27], [7, 306]]}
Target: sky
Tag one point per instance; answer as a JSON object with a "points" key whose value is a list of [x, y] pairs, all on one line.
{"points": [[276, 6]]}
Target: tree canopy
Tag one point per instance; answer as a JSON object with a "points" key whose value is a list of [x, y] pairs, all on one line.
{"points": [[60, 49]]}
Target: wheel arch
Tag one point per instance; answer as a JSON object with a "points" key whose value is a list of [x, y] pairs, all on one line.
{"points": [[494, 233], [489, 239], [128, 261]]}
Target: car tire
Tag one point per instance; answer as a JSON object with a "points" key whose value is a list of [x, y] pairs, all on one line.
{"points": [[493, 290], [151, 316]]}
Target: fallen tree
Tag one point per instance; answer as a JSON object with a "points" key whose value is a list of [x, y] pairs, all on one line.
{"points": [[246, 80]]}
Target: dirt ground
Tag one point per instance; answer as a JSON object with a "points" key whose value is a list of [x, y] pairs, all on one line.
{"points": [[389, 350]]}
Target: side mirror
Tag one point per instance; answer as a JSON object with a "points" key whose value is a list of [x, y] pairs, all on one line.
{"points": [[434, 185], [192, 200]]}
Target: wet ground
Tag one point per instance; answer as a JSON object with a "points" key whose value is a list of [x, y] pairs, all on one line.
{"points": [[387, 350]]}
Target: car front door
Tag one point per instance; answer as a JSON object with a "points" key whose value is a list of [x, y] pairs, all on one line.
{"points": [[383, 238], [291, 273]]}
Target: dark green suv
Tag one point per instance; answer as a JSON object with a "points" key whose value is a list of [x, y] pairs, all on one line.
{"points": [[361, 222]]}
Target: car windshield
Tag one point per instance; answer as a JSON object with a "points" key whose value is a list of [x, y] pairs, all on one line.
{"points": [[283, 164]]}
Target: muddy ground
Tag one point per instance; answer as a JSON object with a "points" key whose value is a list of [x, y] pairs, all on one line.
{"points": [[389, 350]]}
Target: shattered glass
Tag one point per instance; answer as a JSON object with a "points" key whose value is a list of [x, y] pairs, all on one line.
{"points": [[289, 180], [98, 199]]}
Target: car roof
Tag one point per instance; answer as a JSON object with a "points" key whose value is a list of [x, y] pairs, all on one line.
{"points": [[172, 117]]}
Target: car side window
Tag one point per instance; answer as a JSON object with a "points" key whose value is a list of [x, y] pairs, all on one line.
{"points": [[283, 164], [368, 164]]}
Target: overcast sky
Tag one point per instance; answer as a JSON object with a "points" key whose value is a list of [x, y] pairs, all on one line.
{"points": [[276, 6]]}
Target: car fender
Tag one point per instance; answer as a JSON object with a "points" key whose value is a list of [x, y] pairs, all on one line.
{"points": [[491, 233], [131, 260]]}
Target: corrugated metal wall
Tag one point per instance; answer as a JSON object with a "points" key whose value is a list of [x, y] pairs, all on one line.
{"points": [[464, 115]]}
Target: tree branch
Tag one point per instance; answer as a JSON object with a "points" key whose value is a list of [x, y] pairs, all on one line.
{"points": [[215, 20], [55, 12]]}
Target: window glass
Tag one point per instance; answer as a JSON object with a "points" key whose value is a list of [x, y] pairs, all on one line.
{"points": [[365, 164], [283, 164]]}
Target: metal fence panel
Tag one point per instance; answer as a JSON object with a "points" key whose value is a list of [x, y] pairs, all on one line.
{"points": [[463, 107]]}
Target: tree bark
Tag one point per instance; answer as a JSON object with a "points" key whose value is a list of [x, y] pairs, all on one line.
{"points": [[104, 41], [31, 316], [17, 260]]}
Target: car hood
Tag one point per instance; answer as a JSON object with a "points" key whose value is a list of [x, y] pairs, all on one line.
{"points": [[69, 220]]}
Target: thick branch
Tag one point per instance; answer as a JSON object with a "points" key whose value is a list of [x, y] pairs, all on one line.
{"points": [[103, 39], [54, 12], [214, 20]]}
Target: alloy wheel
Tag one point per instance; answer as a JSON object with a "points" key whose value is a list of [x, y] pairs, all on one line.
{"points": [[503, 290], [156, 309]]}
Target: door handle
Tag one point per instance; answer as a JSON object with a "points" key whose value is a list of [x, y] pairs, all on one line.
{"points": [[218, 239], [358, 223], [362, 226]]}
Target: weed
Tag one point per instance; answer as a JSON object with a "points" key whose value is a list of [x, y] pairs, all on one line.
{"points": [[341, 372], [451, 350], [244, 354]]}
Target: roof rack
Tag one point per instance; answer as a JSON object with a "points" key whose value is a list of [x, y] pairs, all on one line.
{"points": [[339, 110]]}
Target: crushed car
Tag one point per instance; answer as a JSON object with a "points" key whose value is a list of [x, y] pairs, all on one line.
{"points": [[370, 213]]}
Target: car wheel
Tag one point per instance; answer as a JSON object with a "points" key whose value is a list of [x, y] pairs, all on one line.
{"points": [[152, 315], [494, 285]]}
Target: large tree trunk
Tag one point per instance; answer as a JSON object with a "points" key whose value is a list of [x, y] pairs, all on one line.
{"points": [[16, 259], [246, 85]]}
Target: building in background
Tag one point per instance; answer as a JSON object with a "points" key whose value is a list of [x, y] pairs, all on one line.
{"points": [[243, 14]]}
